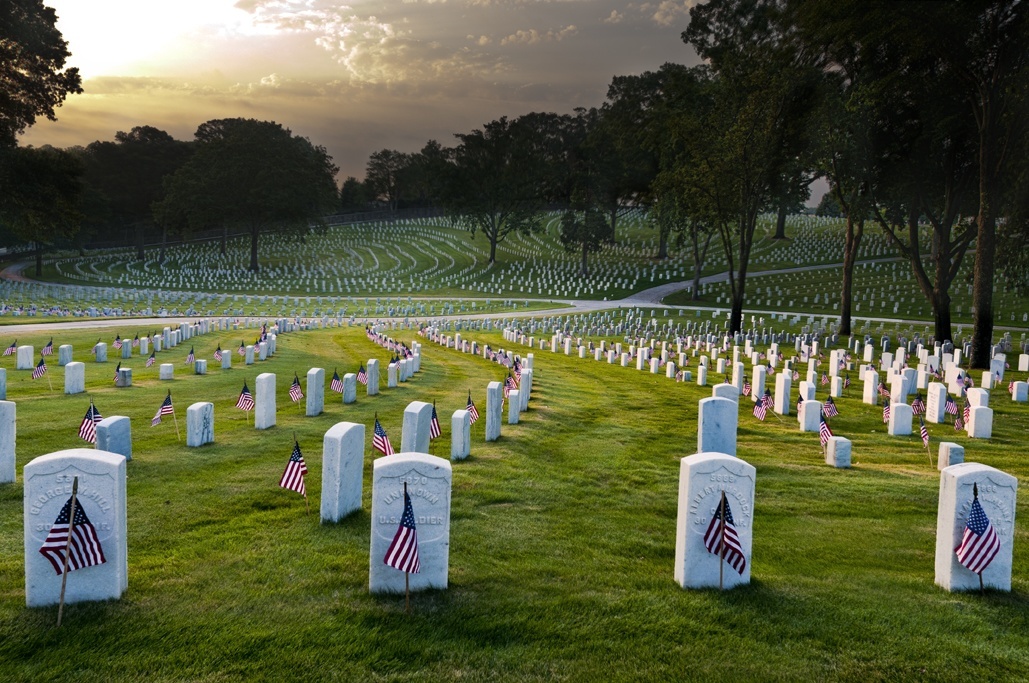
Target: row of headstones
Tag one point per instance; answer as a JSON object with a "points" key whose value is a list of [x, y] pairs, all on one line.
{"points": [[704, 476]]}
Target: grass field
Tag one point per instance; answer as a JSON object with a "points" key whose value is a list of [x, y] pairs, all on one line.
{"points": [[561, 550]]}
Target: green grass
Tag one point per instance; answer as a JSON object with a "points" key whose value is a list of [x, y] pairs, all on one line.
{"points": [[561, 550]]}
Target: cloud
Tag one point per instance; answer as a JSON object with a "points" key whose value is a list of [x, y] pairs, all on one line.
{"points": [[532, 36], [669, 12], [614, 18]]}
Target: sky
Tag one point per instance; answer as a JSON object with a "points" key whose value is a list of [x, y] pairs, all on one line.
{"points": [[353, 77]]}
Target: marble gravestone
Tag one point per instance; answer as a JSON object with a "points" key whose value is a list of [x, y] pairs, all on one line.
{"points": [[429, 481], [101, 495], [373, 377], [25, 360], [349, 388], [702, 479], [8, 441], [414, 437], [725, 390], [460, 435], [809, 417], [101, 352], [114, 435], [494, 410], [64, 354], [342, 468], [997, 493], [315, 395], [936, 403], [167, 371], [199, 424], [837, 452], [74, 378], [900, 420], [514, 406], [264, 401], [248, 355], [950, 453], [717, 420]]}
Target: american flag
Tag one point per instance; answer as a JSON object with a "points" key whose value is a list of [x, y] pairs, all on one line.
{"points": [[509, 385], [336, 384], [296, 468], [825, 379], [824, 433], [40, 368], [796, 375], [48, 350], [116, 371], [951, 406], [245, 401], [958, 424], [87, 430], [242, 350], [800, 402], [829, 408], [918, 405], [362, 376], [746, 387], [402, 553], [883, 391], [472, 411], [886, 412], [190, 357], [135, 341], [117, 342], [979, 544], [762, 406], [923, 431], [968, 410], [434, 429], [84, 550], [733, 551], [92, 350], [9, 351], [165, 409], [295, 393], [380, 441], [218, 353], [846, 381], [152, 359]]}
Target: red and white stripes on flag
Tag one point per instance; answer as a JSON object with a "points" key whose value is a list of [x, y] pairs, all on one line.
{"points": [[979, 544], [83, 551], [295, 393], [434, 428], [402, 553], [245, 402], [380, 441], [732, 553], [296, 468], [40, 368], [473, 412], [87, 429]]}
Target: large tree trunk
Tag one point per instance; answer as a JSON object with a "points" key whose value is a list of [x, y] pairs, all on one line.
{"points": [[780, 223], [850, 250], [493, 250], [941, 315], [699, 258], [662, 242], [614, 222], [254, 233], [986, 246]]}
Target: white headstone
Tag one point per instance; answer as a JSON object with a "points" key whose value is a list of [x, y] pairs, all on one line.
{"points": [[428, 480], [781, 402], [702, 376], [101, 495], [264, 401], [807, 391], [900, 420], [757, 391], [997, 493], [1020, 392], [199, 424], [936, 403], [494, 410], [124, 377], [514, 406], [870, 395], [978, 397], [726, 391], [101, 352], [227, 359], [64, 354], [373, 377], [809, 416], [980, 422], [315, 394], [114, 435], [716, 425], [702, 479], [837, 452], [248, 355], [200, 366], [74, 378], [167, 371], [349, 388], [949, 454], [391, 376], [414, 438], [25, 360], [342, 470], [8, 441], [460, 435]]}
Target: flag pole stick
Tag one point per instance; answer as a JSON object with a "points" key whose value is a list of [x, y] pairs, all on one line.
{"points": [[50, 382], [175, 419], [67, 550], [721, 541], [982, 590]]}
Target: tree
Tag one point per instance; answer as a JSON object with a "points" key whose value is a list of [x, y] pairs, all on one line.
{"points": [[384, 177], [584, 225], [129, 173], [42, 189], [756, 128], [254, 174], [353, 196], [494, 182], [32, 55]]}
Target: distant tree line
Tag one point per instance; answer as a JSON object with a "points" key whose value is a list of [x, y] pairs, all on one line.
{"points": [[915, 114]]}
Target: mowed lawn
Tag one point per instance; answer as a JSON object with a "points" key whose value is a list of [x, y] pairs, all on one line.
{"points": [[562, 538]]}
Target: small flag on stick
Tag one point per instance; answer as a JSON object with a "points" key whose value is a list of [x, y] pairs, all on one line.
{"points": [[380, 441]]}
